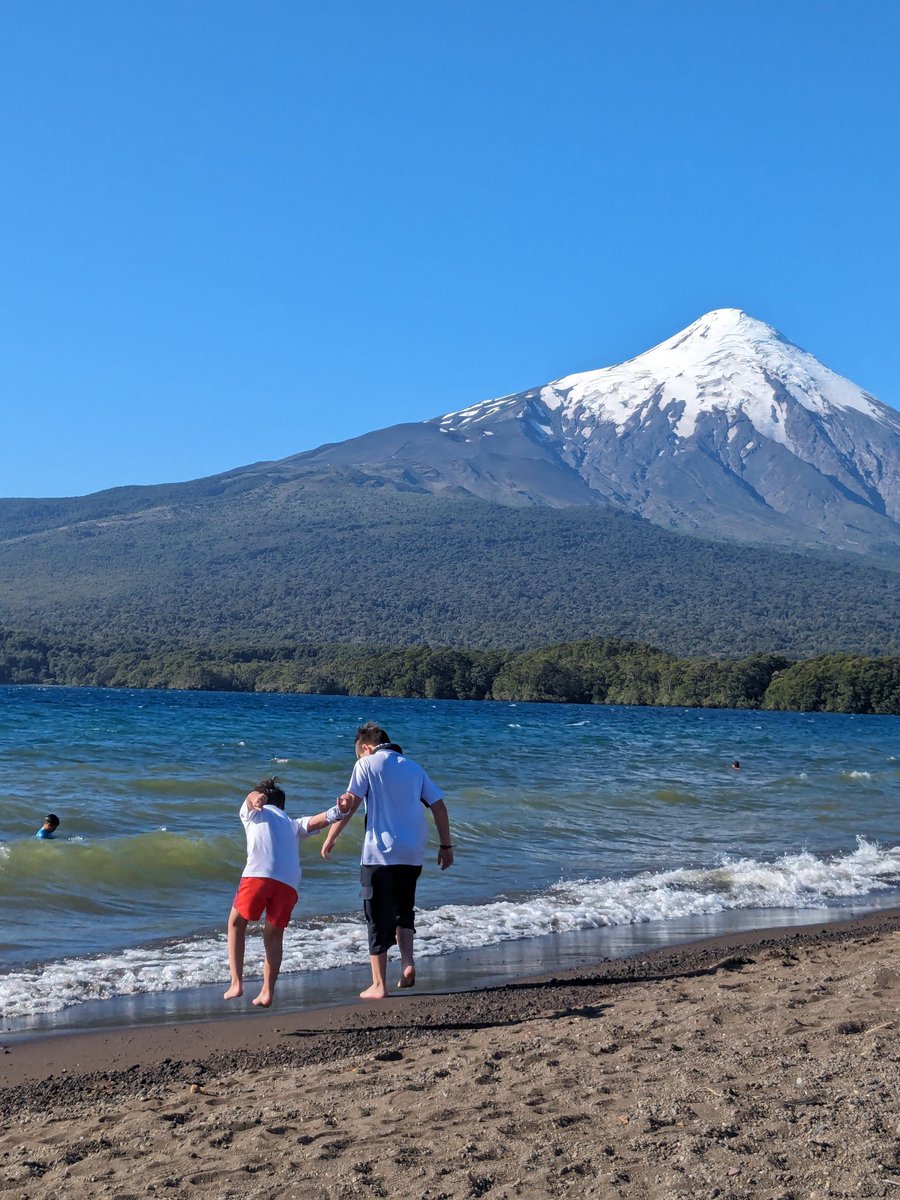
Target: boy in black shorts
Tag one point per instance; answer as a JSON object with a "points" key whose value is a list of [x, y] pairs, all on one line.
{"points": [[398, 794]]}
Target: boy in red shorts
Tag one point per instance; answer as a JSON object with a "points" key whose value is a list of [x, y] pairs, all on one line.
{"points": [[270, 880]]}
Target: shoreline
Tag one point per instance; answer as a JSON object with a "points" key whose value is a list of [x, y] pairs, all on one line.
{"points": [[497, 964], [760, 1065], [783, 671], [42, 1054]]}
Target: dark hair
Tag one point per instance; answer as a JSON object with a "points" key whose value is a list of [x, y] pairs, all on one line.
{"points": [[52, 817], [371, 734], [272, 792]]}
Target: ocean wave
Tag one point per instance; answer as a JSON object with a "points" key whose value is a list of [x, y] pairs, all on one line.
{"points": [[180, 788], [798, 881], [142, 863]]}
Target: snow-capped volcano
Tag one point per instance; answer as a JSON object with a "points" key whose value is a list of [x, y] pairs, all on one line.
{"points": [[726, 361], [725, 429]]}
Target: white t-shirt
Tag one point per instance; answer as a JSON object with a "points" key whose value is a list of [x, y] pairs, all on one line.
{"points": [[273, 844], [393, 788]]}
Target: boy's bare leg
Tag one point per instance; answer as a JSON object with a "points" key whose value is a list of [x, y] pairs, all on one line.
{"points": [[273, 941], [378, 990], [407, 966], [237, 929]]}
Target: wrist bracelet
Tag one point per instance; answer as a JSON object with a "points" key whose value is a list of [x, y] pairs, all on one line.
{"points": [[443, 847]]}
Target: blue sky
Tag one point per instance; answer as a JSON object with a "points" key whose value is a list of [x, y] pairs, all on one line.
{"points": [[233, 231]]}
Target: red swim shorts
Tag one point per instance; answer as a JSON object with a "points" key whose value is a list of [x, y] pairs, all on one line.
{"points": [[256, 895]]}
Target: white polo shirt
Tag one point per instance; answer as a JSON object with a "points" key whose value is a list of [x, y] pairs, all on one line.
{"points": [[393, 788]]}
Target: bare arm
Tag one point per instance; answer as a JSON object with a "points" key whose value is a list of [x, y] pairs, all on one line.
{"points": [[330, 816], [442, 825], [347, 803], [255, 802]]}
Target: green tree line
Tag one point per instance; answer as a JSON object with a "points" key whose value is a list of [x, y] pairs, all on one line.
{"points": [[593, 671]]}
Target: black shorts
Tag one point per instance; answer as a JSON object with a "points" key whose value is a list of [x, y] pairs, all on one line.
{"points": [[389, 900]]}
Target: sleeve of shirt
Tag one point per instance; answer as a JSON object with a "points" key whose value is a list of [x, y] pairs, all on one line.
{"points": [[301, 824], [431, 793], [359, 780], [248, 814]]}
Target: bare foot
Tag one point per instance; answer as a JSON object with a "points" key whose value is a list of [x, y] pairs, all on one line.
{"points": [[374, 993], [408, 978], [263, 1000], [236, 989]]}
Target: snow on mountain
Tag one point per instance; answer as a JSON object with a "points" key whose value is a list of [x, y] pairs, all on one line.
{"points": [[727, 428], [726, 360]]}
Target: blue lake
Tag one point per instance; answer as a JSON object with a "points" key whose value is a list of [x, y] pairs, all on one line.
{"points": [[570, 821]]}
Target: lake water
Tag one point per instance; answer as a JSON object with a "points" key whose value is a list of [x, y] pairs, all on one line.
{"points": [[580, 831]]}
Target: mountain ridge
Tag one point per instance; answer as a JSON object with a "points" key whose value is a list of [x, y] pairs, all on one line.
{"points": [[727, 429], [482, 533]]}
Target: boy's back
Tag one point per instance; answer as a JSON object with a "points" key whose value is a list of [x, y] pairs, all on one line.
{"points": [[393, 787], [273, 844]]}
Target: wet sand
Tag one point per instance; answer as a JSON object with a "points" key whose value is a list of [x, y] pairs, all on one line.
{"points": [[756, 1065]]}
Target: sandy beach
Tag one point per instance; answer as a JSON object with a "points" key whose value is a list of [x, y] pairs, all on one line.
{"points": [[759, 1065]]}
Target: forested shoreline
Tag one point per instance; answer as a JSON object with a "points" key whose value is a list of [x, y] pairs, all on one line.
{"points": [[594, 671]]}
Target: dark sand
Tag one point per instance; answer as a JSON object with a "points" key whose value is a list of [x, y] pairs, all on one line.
{"points": [[761, 1065]]}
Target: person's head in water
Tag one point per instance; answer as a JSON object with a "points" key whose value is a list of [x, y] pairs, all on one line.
{"points": [[272, 792], [50, 825], [736, 765]]}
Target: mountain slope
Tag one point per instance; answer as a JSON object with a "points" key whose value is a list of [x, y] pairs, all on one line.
{"points": [[526, 520], [284, 560], [726, 430]]}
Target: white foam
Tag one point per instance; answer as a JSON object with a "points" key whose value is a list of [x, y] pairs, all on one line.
{"points": [[799, 881]]}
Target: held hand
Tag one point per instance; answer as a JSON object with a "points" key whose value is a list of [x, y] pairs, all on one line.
{"points": [[445, 857], [345, 802]]}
